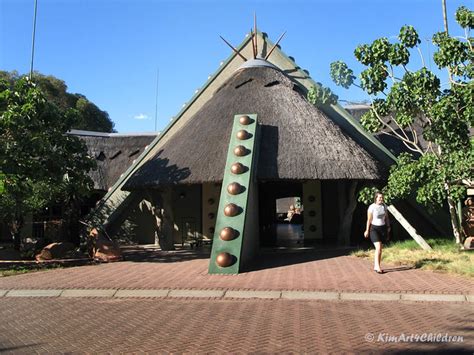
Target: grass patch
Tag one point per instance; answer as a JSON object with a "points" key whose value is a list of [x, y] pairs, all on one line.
{"points": [[11, 270], [16, 270], [445, 256]]}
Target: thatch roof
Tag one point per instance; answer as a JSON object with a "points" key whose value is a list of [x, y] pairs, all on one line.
{"points": [[297, 141], [114, 153]]}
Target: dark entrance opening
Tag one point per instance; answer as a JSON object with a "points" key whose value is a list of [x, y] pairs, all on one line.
{"points": [[289, 221], [274, 230]]}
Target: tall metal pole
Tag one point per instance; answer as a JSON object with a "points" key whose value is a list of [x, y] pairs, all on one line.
{"points": [[156, 98], [33, 41], [445, 16], [445, 20]]}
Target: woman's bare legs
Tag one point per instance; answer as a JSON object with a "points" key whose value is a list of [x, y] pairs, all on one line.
{"points": [[377, 256]]}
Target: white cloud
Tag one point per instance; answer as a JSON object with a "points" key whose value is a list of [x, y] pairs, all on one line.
{"points": [[141, 116]]}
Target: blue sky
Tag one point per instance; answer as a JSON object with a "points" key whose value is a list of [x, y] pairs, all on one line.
{"points": [[109, 50]]}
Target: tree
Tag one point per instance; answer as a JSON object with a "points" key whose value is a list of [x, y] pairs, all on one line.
{"points": [[433, 124], [39, 163], [89, 116]]}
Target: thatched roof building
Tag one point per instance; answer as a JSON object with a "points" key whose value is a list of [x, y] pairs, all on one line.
{"points": [[297, 140], [321, 156], [113, 152]]}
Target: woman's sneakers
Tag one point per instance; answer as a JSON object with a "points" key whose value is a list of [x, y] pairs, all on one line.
{"points": [[379, 271]]}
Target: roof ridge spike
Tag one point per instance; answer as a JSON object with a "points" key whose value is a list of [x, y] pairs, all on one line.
{"points": [[254, 36], [275, 45], [235, 50], [255, 32]]}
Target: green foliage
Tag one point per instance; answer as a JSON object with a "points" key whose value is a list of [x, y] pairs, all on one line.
{"points": [[91, 116], [452, 53], [400, 98], [88, 115], [372, 119], [367, 194], [40, 162], [363, 54], [319, 95], [341, 74], [428, 174], [413, 96], [451, 120], [423, 88], [403, 176], [380, 49], [2, 183], [408, 37], [398, 55], [381, 107], [370, 122], [373, 78], [465, 17], [414, 106]]}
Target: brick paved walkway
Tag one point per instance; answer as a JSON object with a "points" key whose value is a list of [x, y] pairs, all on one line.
{"points": [[32, 325], [62, 324], [309, 271]]}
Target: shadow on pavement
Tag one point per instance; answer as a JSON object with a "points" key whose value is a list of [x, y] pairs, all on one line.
{"points": [[15, 348], [154, 254], [273, 258], [401, 268], [267, 258]]}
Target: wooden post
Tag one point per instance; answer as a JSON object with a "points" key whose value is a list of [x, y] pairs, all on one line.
{"points": [[350, 205], [408, 227], [166, 236]]}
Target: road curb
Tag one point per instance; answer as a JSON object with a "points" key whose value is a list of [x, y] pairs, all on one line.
{"points": [[141, 293], [367, 296], [33, 293], [179, 293], [89, 293], [434, 298], [252, 294], [237, 294], [310, 295]]}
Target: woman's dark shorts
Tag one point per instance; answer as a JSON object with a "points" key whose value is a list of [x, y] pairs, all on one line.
{"points": [[378, 233]]}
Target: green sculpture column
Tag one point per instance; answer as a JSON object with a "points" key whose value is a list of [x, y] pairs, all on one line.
{"points": [[232, 211]]}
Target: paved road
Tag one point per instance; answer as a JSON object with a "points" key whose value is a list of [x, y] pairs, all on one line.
{"points": [[318, 271], [63, 324], [57, 325]]}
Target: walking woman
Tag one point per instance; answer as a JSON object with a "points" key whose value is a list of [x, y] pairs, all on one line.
{"points": [[378, 228]]}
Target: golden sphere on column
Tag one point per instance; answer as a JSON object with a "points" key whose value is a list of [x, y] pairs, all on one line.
{"points": [[231, 210], [240, 151], [245, 120], [234, 188], [237, 168], [227, 233], [224, 259], [243, 134]]}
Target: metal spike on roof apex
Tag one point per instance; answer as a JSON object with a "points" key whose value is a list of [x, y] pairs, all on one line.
{"points": [[254, 38], [274, 46], [255, 52], [235, 50], [253, 43]]}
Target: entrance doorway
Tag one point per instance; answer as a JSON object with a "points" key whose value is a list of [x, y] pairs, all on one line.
{"points": [[281, 214], [289, 221]]}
